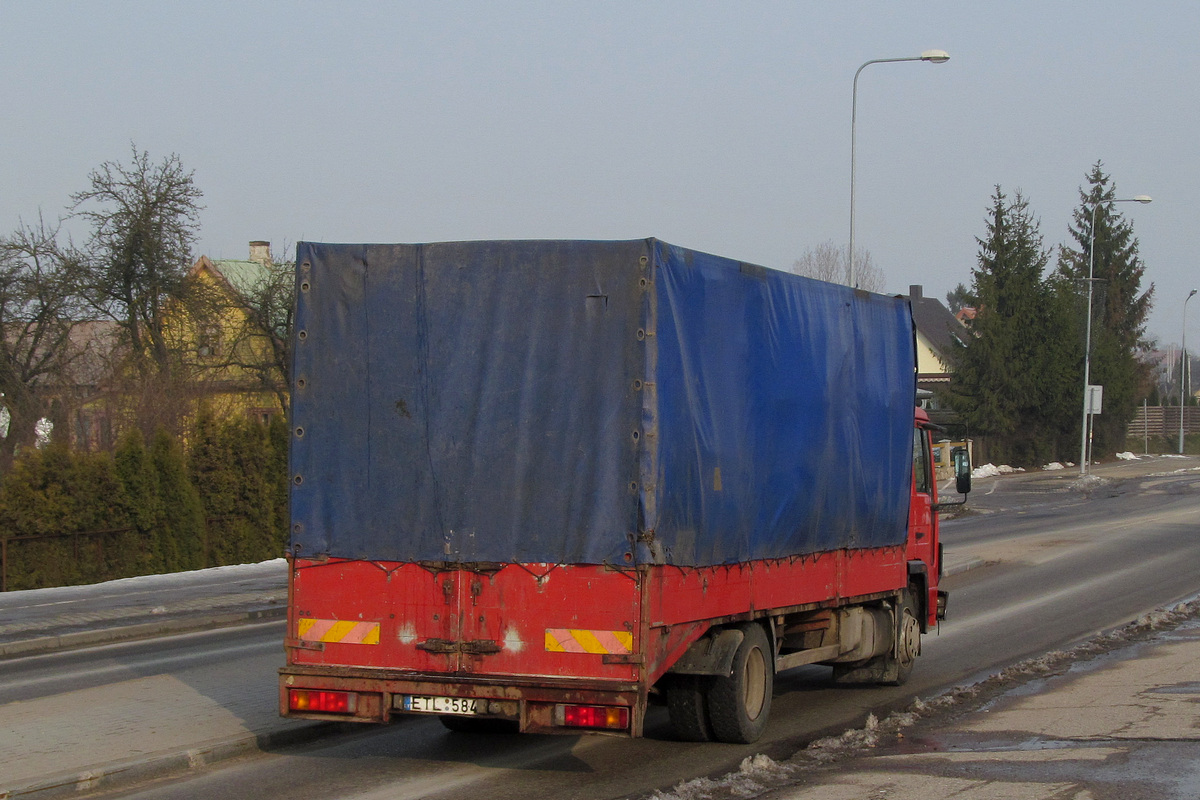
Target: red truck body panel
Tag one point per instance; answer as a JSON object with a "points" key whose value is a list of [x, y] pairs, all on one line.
{"points": [[535, 620]]}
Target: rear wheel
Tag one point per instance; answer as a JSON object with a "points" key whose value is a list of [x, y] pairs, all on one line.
{"points": [[686, 705], [738, 705]]}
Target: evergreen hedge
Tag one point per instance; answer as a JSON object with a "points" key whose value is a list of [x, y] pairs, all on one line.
{"points": [[70, 518]]}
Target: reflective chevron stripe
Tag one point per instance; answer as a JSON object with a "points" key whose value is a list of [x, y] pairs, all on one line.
{"points": [[339, 631], [567, 640]]}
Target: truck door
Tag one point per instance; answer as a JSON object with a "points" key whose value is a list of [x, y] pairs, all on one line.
{"points": [[574, 621], [920, 517]]}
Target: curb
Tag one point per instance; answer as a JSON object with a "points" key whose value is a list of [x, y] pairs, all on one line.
{"points": [[145, 630], [122, 773]]}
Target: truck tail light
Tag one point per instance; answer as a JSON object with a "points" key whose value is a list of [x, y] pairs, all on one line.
{"points": [[606, 717], [323, 701]]}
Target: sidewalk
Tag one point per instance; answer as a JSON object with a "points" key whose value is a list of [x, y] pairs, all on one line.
{"points": [[66, 744]]}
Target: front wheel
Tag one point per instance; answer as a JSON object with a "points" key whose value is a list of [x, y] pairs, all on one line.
{"points": [[738, 705], [686, 703], [907, 646], [894, 667]]}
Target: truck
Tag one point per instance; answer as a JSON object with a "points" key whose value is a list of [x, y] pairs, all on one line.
{"points": [[548, 485]]}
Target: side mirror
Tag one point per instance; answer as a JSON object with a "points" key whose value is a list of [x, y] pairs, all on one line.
{"points": [[962, 470]]}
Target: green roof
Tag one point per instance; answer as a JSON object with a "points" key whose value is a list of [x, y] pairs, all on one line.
{"points": [[244, 276]]}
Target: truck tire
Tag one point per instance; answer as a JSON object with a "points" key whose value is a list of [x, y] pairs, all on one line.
{"points": [[894, 667], [908, 642], [686, 701], [738, 705]]}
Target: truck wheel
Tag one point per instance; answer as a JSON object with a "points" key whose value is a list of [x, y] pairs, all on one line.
{"points": [[908, 642], [686, 705], [738, 705]]}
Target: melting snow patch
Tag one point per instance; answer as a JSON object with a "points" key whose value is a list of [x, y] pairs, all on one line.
{"points": [[755, 775], [1054, 465], [991, 470], [1128, 456], [1088, 481]]}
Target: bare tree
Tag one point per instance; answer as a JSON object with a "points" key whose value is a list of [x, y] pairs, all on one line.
{"points": [[145, 218], [271, 306], [39, 306], [828, 262]]}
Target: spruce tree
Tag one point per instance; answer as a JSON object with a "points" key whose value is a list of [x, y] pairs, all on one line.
{"points": [[210, 472], [1119, 309], [136, 473], [999, 386], [231, 464], [182, 512], [279, 435], [250, 450]]}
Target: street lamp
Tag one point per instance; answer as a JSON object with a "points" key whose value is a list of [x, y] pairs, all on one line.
{"points": [[933, 57], [1183, 369], [1087, 345]]}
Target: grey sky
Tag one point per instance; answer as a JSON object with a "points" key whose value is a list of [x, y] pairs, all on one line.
{"points": [[722, 127]]}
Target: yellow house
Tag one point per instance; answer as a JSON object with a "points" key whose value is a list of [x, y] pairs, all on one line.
{"points": [[938, 333], [228, 344], [233, 360]]}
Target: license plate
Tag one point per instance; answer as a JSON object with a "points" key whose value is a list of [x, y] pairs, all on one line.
{"points": [[443, 705]]}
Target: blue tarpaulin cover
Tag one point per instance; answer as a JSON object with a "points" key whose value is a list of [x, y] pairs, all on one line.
{"points": [[578, 401]]}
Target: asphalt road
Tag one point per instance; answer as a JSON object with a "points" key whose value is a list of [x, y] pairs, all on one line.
{"points": [[1058, 566]]}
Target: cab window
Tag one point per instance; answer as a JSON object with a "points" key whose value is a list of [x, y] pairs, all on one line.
{"points": [[921, 473]]}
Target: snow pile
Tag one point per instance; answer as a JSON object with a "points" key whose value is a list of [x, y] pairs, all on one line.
{"points": [[273, 569], [855, 739], [755, 775], [991, 471], [1128, 456], [1184, 471], [1088, 481], [1053, 465]]}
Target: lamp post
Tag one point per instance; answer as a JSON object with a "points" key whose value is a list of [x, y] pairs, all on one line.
{"points": [[1183, 369], [933, 57], [1087, 344]]}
